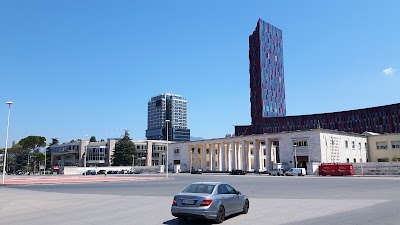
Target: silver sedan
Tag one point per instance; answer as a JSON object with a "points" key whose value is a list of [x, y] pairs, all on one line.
{"points": [[209, 200]]}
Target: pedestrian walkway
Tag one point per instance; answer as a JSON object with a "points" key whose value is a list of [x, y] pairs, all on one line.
{"points": [[24, 180]]}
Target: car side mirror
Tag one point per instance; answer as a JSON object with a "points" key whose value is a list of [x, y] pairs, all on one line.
{"points": [[238, 193]]}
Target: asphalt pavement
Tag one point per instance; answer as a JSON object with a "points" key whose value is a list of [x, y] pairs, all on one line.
{"points": [[273, 200]]}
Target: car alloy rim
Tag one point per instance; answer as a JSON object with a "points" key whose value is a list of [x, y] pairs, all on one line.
{"points": [[221, 213]]}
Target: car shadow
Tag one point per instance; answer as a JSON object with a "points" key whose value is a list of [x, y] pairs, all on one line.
{"points": [[196, 221]]}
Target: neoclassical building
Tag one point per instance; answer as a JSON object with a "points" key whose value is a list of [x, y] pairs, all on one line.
{"points": [[306, 149]]}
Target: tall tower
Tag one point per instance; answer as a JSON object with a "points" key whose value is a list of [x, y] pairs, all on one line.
{"points": [[169, 107], [267, 80]]}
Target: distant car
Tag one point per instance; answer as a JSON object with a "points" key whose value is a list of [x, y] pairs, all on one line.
{"points": [[296, 172], [237, 172], [123, 172], [197, 171], [277, 172], [259, 172], [19, 172], [89, 172], [137, 172], [209, 200], [101, 172]]}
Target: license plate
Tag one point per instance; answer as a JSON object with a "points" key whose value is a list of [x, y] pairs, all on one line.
{"points": [[188, 202]]}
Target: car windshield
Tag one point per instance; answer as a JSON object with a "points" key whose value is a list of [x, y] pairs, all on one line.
{"points": [[199, 188]]}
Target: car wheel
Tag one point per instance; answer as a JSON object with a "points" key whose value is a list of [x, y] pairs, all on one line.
{"points": [[220, 215], [246, 207], [182, 218]]}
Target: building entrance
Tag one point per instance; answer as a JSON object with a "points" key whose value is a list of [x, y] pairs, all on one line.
{"points": [[302, 162]]}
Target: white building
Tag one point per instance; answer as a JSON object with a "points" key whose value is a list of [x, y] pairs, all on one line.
{"points": [[305, 149]]}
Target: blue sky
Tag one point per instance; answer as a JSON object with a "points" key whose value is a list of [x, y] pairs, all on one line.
{"points": [[76, 68]]}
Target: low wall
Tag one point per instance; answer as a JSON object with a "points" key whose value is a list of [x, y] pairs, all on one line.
{"points": [[377, 168], [73, 170]]}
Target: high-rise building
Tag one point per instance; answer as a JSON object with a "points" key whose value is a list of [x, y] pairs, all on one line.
{"points": [[267, 80], [267, 96], [167, 107]]}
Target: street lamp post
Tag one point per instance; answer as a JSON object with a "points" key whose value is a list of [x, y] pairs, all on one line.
{"points": [[361, 162], [295, 155], [5, 151], [84, 160], [133, 161], [167, 121]]}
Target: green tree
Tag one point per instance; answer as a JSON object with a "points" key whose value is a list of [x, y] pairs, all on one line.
{"points": [[92, 139], [40, 157], [124, 151], [20, 156], [54, 141], [33, 144]]}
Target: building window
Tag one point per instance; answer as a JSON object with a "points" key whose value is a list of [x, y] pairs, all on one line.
{"points": [[359, 145], [347, 160], [354, 160], [383, 159], [300, 143], [381, 145], [176, 151], [353, 145], [396, 144], [346, 144]]}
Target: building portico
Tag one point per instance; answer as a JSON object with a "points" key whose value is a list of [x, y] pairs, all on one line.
{"points": [[267, 151]]}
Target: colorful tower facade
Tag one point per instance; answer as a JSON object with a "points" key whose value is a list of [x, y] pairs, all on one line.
{"points": [[267, 80]]}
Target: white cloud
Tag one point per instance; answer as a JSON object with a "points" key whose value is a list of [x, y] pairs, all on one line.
{"points": [[389, 71]]}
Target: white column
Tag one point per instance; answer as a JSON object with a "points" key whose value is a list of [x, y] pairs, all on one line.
{"points": [[203, 157], [268, 155], [213, 157], [191, 157], [248, 157], [261, 158], [235, 155], [219, 157], [256, 152], [238, 157], [230, 155], [196, 157], [223, 157], [243, 155]]}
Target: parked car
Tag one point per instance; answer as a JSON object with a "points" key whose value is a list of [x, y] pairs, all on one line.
{"points": [[19, 172], [197, 171], [263, 172], [89, 172], [277, 172], [101, 172], [296, 172], [237, 172], [209, 200], [137, 172]]}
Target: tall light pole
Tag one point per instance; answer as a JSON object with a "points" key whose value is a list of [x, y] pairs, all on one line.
{"points": [[167, 121], [295, 155], [133, 161], [5, 151], [84, 160], [361, 162]]}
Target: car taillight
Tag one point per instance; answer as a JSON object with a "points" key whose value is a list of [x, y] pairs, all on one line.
{"points": [[174, 202], [206, 202]]}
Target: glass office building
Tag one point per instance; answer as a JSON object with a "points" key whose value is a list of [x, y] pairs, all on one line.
{"points": [[267, 80], [165, 107], [267, 96]]}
